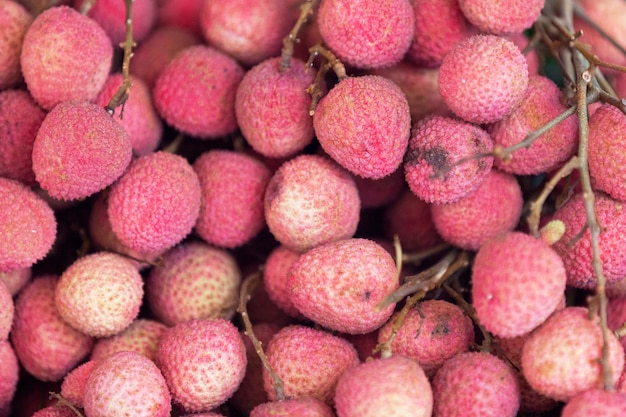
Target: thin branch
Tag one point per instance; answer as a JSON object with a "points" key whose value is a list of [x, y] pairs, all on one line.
{"points": [[62, 402], [582, 14], [122, 93], [306, 9], [416, 258]]}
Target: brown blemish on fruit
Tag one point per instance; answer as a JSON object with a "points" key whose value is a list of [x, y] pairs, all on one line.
{"points": [[436, 157], [441, 329]]}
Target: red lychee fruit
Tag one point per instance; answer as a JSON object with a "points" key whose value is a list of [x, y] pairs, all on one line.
{"points": [[111, 16], [476, 384], [194, 280], [6, 311], [364, 37], [16, 279], [272, 108], [27, 226], [483, 78], [126, 384], [301, 407], [141, 336], [309, 201], [560, 359], [394, 387], [73, 386], [45, 344], [381, 192], [431, 333], [156, 203], [55, 411], [275, 273], [351, 277], [203, 362], [9, 376], [79, 150], [364, 124], [86, 283], [465, 224], [15, 20], [195, 92], [502, 17], [65, 56], [184, 14], [308, 361], [596, 402]]}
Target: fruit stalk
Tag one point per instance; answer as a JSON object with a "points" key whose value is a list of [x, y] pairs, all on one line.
{"points": [[120, 97]]}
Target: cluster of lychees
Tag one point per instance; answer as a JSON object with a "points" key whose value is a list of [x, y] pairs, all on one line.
{"points": [[312, 208]]}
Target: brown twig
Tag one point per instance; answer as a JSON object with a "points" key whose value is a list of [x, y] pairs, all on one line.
{"points": [[416, 258], [306, 9], [62, 402], [582, 14], [122, 93], [331, 62]]}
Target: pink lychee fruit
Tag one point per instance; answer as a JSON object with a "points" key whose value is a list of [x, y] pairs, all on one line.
{"points": [[79, 150], [111, 16], [15, 20], [156, 203], [309, 201], [375, 193], [275, 274], [7, 311], [65, 56], [203, 362], [517, 282], [364, 124], [501, 17], [99, 294], [308, 361], [194, 280], [364, 37], [431, 333], [16, 279], [477, 384], [55, 411], [47, 347], [394, 387], [126, 384], [184, 14], [141, 336], [9, 376], [483, 78], [73, 386], [301, 407], [365, 344], [432, 164], [560, 359], [352, 276], [595, 402], [27, 226]]}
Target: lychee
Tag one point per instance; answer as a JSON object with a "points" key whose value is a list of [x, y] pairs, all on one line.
{"points": [[16, 279], [275, 274], [184, 14], [301, 407], [596, 402], [380, 192], [141, 336], [73, 386], [6, 311], [9, 375], [501, 17], [111, 16], [15, 21]]}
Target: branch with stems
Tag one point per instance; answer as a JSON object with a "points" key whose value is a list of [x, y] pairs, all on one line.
{"points": [[306, 10], [316, 90], [122, 93]]}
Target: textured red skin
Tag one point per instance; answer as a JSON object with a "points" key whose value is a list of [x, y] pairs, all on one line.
{"points": [[560, 358], [157, 50], [65, 56], [438, 142], [607, 132], [351, 277], [9, 375], [502, 17], [483, 78], [79, 150], [195, 92], [364, 344], [45, 344], [194, 281], [309, 201], [233, 187], [361, 36], [126, 384], [111, 16], [203, 362], [272, 108], [301, 407], [73, 386], [140, 120], [517, 282], [6, 312], [184, 14], [14, 20], [16, 280], [541, 104], [577, 257], [141, 336], [308, 361], [364, 124], [55, 411], [478, 384], [465, 223], [596, 402], [393, 387], [532, 60], [20, 119], [28, 226], [156, 202], [380, 192], [250, 31], [439, 26], [410, 218], [616, 315], [277, 266], [431, 333]]}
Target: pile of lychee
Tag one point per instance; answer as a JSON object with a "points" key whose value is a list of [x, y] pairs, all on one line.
{"points": [[312, 208]]}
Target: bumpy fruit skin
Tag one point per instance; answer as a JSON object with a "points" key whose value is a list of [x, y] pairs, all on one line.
{"points": [[156, 203], [436, 144], [203, 362], [141, 336], [308, 361], [9, 375], [380, 192], [65, 56], [393, 387], [501, 17], [111, 16], [16, 279], [79, 150], [195, 92], [6, 312], [364, 37], [184, 14], [517, 282], [73, 386], [410, 218], [14, 20], [309, 201], [301, 407], [351, 277], [126, 384], [577, 256], [54, 411], [483, 79], [275, 273], [476, 384], [560, 358], [364, 124], [28, 227], [596, 402]]}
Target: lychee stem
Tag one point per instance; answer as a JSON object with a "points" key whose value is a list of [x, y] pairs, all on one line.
{"points": [[62, 401], [580, 12], [332, 62], [306, 9], [416, 258]]}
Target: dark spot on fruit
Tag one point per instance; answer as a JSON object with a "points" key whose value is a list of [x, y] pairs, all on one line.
{"points": [[412, 157], [440, 330], [367, 295], [436, 157]]}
